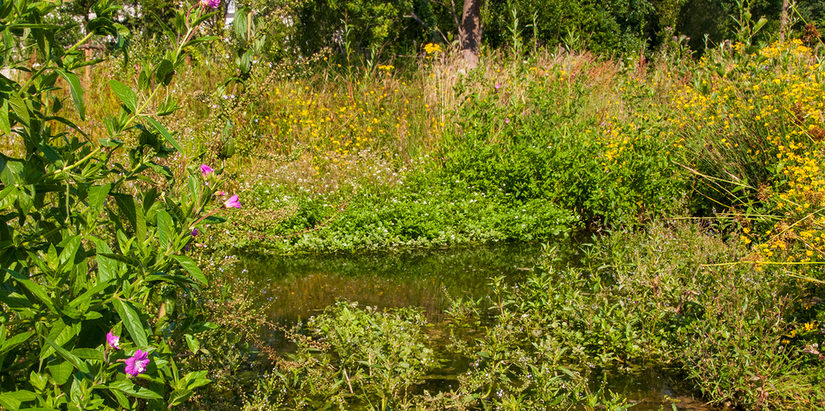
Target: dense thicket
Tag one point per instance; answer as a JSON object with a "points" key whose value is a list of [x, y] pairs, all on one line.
{"points": [[385, 29]]}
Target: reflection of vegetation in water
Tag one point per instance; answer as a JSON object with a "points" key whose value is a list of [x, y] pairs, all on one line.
{"points": [[298, 287]]}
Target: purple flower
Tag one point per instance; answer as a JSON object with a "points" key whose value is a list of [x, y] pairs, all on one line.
{"points": [[194, 232], [206, 170], [112, 341], [498, 86], [137, 363], [232, 202], [210, 3], [507, 120]]}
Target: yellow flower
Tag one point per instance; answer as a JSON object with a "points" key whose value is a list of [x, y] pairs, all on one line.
{"points": [[432, 48]]}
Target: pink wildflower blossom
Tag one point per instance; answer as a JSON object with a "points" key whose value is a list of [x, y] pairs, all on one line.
{"points": [[206, 170], [210, 3], [112, 341], [137, 363], [232, 202]]}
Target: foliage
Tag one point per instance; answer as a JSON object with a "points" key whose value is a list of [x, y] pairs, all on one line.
{"points": [[648, 299], [351, 356], [94, 233]]}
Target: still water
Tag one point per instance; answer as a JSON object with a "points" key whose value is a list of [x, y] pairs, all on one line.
{"points": [[294, 288]]}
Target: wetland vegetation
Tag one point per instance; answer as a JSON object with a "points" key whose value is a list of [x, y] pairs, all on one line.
{"points": [[321, 205]]}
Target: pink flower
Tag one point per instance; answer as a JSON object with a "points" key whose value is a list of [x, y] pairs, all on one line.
{"points": [[137, 363], [210, 3], [112, 341], [206, 170], [232, 202], [507, 120]]}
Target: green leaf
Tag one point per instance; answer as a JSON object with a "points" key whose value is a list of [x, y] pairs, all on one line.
{"points": [[14, 341], [127, 387], [107, 268], [18, 106], [34, 288], [121, 399], [13, 400], [143, 80], [192, 267], [5, 124], [76, 90], [193, 343], [88, 294], [125, 94], [61, 334], [164, 72], [88, 354], [70, 250], [38, 380], [165, 227], [131, 320], [61, 372], [165, 133], [97, 195], [77, 362]]}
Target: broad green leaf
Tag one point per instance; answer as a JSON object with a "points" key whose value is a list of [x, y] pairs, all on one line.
{"points": [[165, 229], [60, 334], [34, 288], [70, 250], [107, 268], [131, 320], [5, 124], [193, 343], [76, 90], [13, 400], [164, 72], [125, 94], [14, 341], [61, 372], [165, 133], [18, 107], [126, 204], [88, 354], [97, 195], [88, 294], [77, 362], [192, 267], [121, 399], [38, 380], [128, 387]]}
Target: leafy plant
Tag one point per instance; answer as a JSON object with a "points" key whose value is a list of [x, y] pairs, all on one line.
{"points": [[94, 235]]}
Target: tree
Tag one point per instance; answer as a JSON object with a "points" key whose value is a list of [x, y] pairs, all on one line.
{"points": [[783, 20], [470, 32]]}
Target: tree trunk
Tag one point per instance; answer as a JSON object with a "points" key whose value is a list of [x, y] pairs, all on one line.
{"points": [[470, 32], [783, 20]]}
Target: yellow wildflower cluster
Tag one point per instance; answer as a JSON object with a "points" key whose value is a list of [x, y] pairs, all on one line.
{"points": [[765, 112], [432, 48]]}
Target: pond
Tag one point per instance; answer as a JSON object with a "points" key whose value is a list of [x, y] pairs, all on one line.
{"points": [[294, 288]]}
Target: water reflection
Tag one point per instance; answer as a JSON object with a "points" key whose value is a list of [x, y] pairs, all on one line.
{"points": [[297, 287]]}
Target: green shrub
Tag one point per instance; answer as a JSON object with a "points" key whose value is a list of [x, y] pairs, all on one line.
{"points": [[94, 234]]}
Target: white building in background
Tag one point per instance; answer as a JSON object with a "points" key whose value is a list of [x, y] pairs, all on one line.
{"points": [[230, 13]]}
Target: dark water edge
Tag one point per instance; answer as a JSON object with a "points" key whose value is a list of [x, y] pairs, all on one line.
{"points": [[295, 288]]}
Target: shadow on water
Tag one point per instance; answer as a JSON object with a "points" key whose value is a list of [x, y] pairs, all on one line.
{"points": [[294, 288]]}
